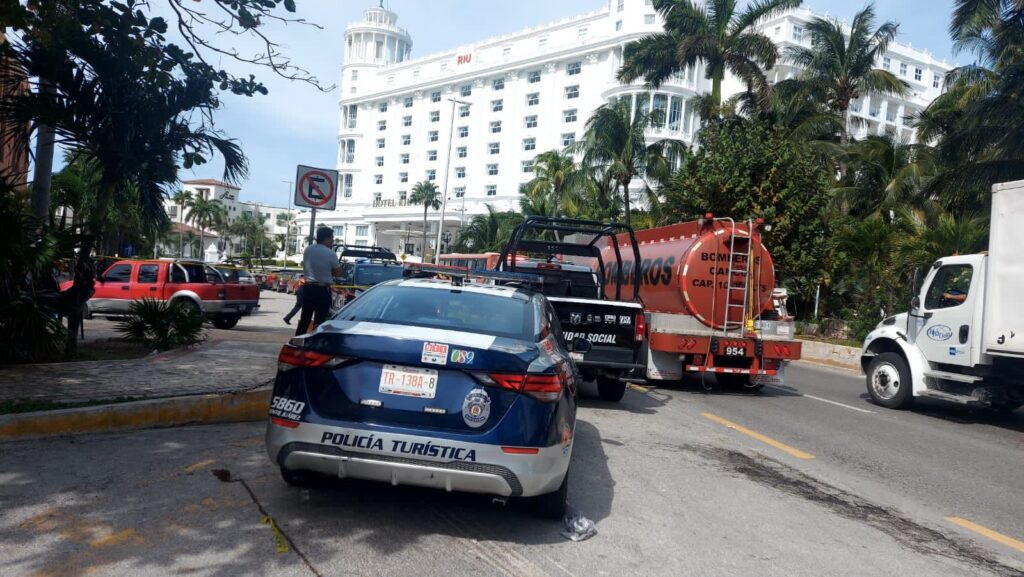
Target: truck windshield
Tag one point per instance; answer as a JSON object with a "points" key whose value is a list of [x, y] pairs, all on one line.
{"points": [[949, 287]]}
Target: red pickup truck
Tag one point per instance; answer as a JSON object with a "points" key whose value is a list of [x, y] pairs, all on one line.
{"points": [[194, 283]]}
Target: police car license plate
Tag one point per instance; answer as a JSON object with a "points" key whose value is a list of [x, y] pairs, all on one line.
{"points": [[408, 381]]}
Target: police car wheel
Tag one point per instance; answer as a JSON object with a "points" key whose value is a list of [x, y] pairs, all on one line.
{"points": [[552, 505], [610, 389], [301, 479]]}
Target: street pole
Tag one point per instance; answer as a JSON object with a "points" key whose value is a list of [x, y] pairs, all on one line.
{"points": [[312, 225], [288, 227], [447, 170]]}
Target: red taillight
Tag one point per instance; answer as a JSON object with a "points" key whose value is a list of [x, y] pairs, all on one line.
{"points": [[549, 266], [284, 423], [292, 357], [520, 450], [547, 388], [641, 327]]}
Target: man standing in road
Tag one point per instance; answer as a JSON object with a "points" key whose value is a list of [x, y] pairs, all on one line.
{"points": [[320, 265]]}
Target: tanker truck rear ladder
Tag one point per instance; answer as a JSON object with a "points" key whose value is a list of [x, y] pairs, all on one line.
{"points": [[733, 290]]}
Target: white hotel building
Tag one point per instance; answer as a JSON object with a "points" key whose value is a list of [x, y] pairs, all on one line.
{"points": [[517, 95]]}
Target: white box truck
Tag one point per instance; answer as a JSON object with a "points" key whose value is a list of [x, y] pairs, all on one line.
{"points": [[963, 338]]}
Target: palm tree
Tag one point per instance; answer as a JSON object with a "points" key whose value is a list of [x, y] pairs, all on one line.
{"points": [[204, 214], [182, 198], [426, 193], [840, 69], [712, 33], [615, 140], [487, 232], [943, 235], [886, 174], [558, 180]]}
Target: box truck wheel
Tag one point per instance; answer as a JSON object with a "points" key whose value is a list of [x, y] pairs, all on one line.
{"points": [[888, 381], [610, 388]]}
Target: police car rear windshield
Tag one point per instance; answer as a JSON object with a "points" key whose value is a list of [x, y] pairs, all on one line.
{"points": [[498, 315], [371, 274]]}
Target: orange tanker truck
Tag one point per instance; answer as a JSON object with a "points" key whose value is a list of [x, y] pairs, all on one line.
{"points": [[707, 288]]}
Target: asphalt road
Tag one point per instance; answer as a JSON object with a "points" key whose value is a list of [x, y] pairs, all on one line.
{"points": [[808, 480]]}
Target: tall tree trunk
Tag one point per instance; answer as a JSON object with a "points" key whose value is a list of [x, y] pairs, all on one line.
{"points": [[202, 244], [625, 199], [716, 93], [424, 251], [43, 175], [181, 230]]}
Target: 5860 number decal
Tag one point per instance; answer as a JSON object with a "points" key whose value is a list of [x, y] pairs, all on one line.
{"points": [[279, 405]]}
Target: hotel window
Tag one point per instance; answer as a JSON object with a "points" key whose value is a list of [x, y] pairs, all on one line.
{"points": [[661, 107], [464, 111], [382, 125], [460, 191], [463, 131], [435, 115], [533, 77], [362, 229], [404, 159], [431, 175], [378, 179], [461, 152], [431, 155], [406, 121], [568, 139], [890, 113], [494, 148], [648, 18], [402, 195], [355, 75], [347, 186], [383, 107], [674, 111], [572, 91], [407, 102], [506, 52], [497, 105], [492, 169], [936, 80], [542, 43], [569, 115], [533, 99], [529, 144], [403, 177], [406, 139], [353, 113], [492, 190], [380, 143], [886, 62], [435, 97], [376, 200], [618, 25], [527, 165], [380, 161], [572, 68], [531, 122], [903, 68], [496, 127], [350, 151], [582, 34], [622, 5], [466, 90], [917, 74], [498, 84], [432, 136], [798, 33], [460, 172]]}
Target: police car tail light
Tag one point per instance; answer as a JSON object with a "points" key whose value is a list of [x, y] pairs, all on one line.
{"points": [[641, 327], [293, 357], [546, 388]]}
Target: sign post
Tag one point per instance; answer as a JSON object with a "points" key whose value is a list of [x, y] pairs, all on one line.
{"points": [[316, 188]]}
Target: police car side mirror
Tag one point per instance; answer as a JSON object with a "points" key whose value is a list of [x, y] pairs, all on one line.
{"points": [[580, 345]]}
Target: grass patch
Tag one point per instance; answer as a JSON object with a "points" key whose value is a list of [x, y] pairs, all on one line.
{"points": [[33, 405], [831, 341]]}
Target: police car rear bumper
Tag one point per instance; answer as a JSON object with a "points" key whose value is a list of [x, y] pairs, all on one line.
{"points": [[360, 454]]}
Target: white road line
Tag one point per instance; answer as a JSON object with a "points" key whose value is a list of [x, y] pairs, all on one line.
{"points": [[836, 403]]}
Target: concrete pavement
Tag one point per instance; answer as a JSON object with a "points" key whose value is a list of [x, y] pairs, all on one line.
{"points": [[673, 492]]}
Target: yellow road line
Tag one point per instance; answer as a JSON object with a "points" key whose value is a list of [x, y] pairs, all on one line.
{"points": [[986, 532], [763, 438]]}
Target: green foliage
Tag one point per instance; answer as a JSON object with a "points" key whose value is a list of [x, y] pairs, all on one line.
{"points": [[745, 169], [161, 325], [487, 232]]}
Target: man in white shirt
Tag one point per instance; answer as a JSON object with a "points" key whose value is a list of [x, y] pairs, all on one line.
{"points": [[320, 265]]}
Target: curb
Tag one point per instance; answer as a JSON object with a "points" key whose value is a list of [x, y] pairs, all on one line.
{"points": [[236, 407], [830, 355]]}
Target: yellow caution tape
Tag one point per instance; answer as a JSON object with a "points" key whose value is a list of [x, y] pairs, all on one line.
{"points": [[279, 538]]}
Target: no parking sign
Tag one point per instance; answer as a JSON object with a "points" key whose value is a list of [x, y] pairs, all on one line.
{"points": [[316, 187]]}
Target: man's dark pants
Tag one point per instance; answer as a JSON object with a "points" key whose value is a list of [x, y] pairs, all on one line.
{"points": [[316, 303]]}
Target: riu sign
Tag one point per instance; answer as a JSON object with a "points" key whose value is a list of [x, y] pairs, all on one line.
{"points": [[463, 59]]}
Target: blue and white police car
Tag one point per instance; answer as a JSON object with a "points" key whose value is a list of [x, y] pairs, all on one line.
{"points": [[432, 383]]}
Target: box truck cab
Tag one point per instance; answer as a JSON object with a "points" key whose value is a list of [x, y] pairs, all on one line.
{"points": [[963, 338]]}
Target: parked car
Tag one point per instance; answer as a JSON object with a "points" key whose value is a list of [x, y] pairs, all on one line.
{"points": [[424, 382], [198, 286], [361, 268], [236, 274]]}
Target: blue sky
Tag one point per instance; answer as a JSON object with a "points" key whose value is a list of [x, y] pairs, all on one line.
{"points": [[296, 124]]}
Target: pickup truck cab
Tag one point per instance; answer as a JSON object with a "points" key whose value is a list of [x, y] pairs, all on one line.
{"points": [[198, 285], [614, 325]]}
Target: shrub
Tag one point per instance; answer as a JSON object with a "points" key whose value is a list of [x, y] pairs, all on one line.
{"points": [[162, 326]]}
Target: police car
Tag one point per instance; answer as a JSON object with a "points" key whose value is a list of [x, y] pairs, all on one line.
{"points": [[433, 383]]}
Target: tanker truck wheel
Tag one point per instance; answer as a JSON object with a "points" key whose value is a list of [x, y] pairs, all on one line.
{"points": [[610, 389]]}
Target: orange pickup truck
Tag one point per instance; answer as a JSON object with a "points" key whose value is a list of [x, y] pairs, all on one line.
{"points": [[196, 284]]}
